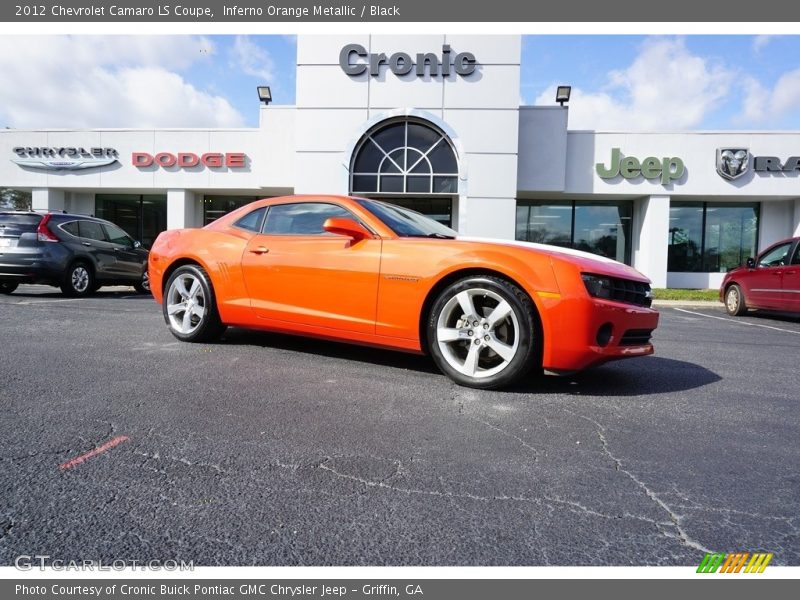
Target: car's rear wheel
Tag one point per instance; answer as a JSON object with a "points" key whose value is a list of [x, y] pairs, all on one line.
{"points": [[78, 280], [8, 287], [143, 286], [483, 332], [734, 301], [189, 306]]}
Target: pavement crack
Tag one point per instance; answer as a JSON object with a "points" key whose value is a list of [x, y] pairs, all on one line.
{"points": [[183, 461], [6, 525], [676, 519], [502, 431]]}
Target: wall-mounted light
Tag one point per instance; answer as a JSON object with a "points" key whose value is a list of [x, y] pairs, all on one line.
{"points": [[264, 94], [562, 94]]}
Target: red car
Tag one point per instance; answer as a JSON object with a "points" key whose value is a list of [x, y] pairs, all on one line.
{"points": [[770, 282]]}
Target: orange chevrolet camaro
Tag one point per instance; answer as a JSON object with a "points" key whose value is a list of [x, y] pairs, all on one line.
{"points": [[368, 272]]}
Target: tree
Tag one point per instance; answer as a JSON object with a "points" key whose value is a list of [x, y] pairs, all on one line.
{"points": [[15, 199]]}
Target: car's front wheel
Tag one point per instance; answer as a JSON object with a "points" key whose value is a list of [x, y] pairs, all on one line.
{"points": [[483, 332], [8, 287], [78, 280], [189, 306], [734, 301]]}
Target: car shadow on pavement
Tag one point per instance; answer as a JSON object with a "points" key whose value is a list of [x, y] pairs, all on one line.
{"points": [[779, 317], [633, 377]]}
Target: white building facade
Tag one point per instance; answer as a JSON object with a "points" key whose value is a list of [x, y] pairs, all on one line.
{"points": [[434, 123]]}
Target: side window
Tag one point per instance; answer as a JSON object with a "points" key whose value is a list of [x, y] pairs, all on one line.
{"points": [[304, 218], [71, 228], [91, 230], [796, 259], [252, 220], [116, 235], [775, 257]]}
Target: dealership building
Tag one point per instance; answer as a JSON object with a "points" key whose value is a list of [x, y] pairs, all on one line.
{"points": [[434, 123]]}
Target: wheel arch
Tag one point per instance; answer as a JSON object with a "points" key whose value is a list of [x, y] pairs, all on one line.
{"points": [[460, 273], [180, 262]]}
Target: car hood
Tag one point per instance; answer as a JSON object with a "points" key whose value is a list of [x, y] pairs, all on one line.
{"points": [[586, 261]]}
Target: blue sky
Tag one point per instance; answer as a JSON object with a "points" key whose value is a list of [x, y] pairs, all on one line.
{"points": [[619, 82]]}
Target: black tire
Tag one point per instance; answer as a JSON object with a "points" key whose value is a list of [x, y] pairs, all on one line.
{"points": [[143, 286], [8, 287], [735, 304], [518, 332], [78, 280], [205, 328]]}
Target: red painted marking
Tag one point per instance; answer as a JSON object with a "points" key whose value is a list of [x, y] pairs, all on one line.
{"points": [[99, 450]]}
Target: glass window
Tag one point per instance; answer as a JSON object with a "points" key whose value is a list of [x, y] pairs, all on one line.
{"points": [[775, 257], [142, 217], [730, 236], [711, 237], [252, 220], [118, 236], [796, 259], [602, 228], [71, 228], [408, 156], [92, 230], [404, 222], [685, 248], [305, 218], [216, 206]]}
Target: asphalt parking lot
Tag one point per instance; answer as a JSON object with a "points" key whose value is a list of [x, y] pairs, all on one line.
{"points": [[270, 450]]}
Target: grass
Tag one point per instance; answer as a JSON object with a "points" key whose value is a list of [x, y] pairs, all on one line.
{"points": [[677, 294]]}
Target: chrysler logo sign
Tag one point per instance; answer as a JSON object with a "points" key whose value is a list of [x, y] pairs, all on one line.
{"points": [[355, 60], [67, 158], [732, 163]]}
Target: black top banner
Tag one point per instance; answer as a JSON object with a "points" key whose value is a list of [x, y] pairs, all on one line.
{"points": [[398, 11]]}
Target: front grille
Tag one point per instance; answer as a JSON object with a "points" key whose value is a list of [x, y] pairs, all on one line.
{"points": [[632, 292], [636, 337]]}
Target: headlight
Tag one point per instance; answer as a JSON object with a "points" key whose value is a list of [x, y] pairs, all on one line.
{"points": [[597, 286]]}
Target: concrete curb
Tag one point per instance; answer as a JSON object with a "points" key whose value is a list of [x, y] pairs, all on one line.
{"points": [[698, 303]]}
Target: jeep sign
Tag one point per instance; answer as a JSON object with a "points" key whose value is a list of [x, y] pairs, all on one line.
{"points": [[667, 168]]}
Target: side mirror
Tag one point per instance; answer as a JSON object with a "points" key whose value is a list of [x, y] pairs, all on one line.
{"points": [[346, 227], [751, 263], [137, 244]]}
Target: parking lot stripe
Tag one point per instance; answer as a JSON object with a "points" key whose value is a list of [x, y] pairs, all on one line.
{"points": [[738, 322], [50, 301], [99, 450]]}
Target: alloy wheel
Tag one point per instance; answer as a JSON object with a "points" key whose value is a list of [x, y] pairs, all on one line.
{"points": [[478, 332], [186, 304]]}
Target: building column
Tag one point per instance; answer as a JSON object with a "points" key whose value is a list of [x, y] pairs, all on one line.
{"points": [[651, 238], [796, 227], [181, 209], [47, 199]]}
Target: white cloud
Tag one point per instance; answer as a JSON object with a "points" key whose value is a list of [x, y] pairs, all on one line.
{"points": [[97, 81], [252, 59], [760, 41], [665, 88], [766, 106]]}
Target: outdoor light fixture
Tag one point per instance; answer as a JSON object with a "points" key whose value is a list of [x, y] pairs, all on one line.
{"points": [[562, 94], [265, 95]]}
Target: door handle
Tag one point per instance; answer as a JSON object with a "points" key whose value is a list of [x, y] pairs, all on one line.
{"points": [[260, 250], [86, 243], [790, 272]]}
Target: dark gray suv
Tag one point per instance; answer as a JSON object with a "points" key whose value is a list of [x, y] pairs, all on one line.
{"points": [[74, 252]]}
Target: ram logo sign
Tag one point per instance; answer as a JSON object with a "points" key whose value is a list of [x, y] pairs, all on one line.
{"points": [[732, 163]]}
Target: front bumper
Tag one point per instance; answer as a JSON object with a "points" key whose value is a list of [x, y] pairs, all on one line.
{"points": [[587, 331]]}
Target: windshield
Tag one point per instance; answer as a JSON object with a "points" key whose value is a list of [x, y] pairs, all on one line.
{"points": [[405, 222]]}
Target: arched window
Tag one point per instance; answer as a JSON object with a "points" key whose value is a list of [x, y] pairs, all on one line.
{"points": [[405, 156]]}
